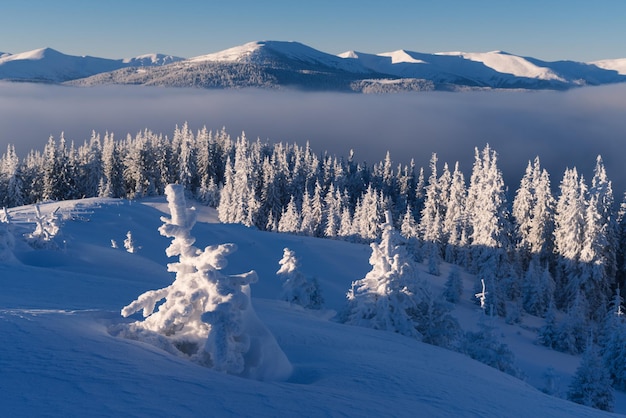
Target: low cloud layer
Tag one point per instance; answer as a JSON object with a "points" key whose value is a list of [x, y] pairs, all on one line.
{"points": [[564, 128]]}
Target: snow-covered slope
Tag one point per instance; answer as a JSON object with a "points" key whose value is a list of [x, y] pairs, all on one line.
{"points": [[49, 65], [618, 65], [59, 359]]}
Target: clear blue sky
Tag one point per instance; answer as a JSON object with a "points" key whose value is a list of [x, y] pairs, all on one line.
{"points": [[582, 30]]}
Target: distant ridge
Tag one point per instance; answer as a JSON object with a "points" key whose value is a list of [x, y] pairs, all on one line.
{"points": [[52, 66], [289, 64]]}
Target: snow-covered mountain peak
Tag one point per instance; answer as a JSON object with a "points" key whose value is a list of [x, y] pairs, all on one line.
{"points": [[349, 54], [286, 52], [34, 55], [402, 56]]}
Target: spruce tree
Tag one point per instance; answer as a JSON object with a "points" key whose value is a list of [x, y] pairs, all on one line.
{"points": [[591, 385]]}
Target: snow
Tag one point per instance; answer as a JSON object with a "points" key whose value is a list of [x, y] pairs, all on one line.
{"points": [[235, 54], [495, 69], [618, 65], [260, 51], [402, 56], [151, 59], [35, 54], [506, 63], [59, 358]]}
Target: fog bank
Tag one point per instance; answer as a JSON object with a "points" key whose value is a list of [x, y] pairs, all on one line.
{"points": [[564, 128]]}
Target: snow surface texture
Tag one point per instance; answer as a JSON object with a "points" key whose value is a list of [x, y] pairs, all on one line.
{"points": [[293, 64], [58, 358]]}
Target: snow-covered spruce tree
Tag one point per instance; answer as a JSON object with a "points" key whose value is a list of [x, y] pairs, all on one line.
{"points": [[206, 316], [537, 288], [290, 219], [454, 219], [409, 230], [453, 288], [7, 239], [433, 320], [386, 296], [11, 185], [430, 226], [613, 342], [484, 346], [489, 227], [297, 288], [591, 385], [569, 235], [548, 334], [574, 329], [533, 211]]}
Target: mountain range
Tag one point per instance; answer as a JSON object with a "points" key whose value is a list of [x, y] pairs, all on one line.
{"points": [[280, 64]]}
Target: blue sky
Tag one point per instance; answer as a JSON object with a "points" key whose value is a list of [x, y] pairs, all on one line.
{"points": [[549, 29]]}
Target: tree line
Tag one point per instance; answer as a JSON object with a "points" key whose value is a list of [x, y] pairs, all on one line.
{"points": [[534, 249]]}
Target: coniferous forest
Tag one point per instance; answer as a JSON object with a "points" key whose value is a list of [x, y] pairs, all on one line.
{"points": [[556, 252]]}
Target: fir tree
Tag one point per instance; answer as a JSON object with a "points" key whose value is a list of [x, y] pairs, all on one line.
{"points": [[385, 297], [453, 288], [297, 288], [485, 347], [613, 342], [591, 385]]}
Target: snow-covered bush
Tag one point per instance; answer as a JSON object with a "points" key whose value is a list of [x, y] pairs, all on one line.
{"points": [[129, 243], [206, 316], [46, 228], [297, 288]]}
